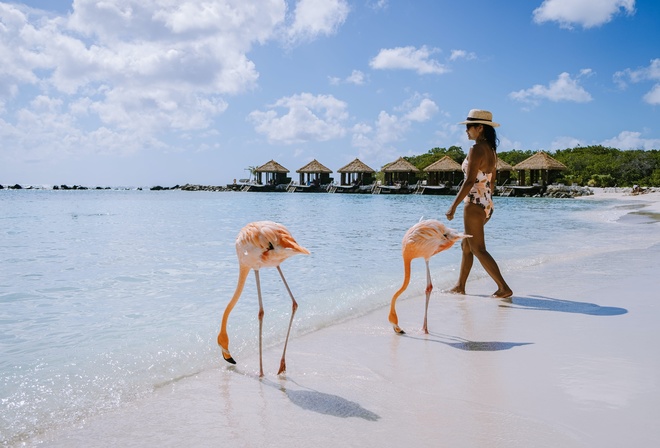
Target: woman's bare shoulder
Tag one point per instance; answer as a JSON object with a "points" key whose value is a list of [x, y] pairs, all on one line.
{"points": [[484, 156], [480, 150]]}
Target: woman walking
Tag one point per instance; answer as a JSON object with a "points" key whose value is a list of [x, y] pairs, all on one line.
{"points": [[476, 191]]}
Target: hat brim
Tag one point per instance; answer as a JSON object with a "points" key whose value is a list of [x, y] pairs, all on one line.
{"points": [[489, 123]]}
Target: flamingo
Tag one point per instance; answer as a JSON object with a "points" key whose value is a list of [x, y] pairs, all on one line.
{"points": [[260, 244], [423, 240]]}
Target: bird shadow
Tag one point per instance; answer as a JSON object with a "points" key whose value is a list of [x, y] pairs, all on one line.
{"points": [[327, 404], [320, 402], [467, 345], [541, 303]]}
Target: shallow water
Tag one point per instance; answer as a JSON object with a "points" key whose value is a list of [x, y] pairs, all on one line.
{"points": [[107, 295]]}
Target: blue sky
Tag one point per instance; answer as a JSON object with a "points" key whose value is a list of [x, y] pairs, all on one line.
{"points": [[165, 92]]}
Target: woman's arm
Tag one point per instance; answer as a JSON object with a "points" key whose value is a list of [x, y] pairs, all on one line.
{"points": [[475, 158]]}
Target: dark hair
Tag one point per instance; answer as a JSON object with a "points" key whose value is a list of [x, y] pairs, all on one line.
{"points": [[491, 136]]}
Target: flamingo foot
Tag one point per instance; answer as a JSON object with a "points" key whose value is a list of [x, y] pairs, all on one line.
{"points": [[282, 368], [230, 360], [398, 329]]}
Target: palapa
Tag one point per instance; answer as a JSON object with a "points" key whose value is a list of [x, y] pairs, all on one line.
{"points": [[444, 164], [400, 165], [314, 167], [542, 169], [503, 166], [271, 167], [356, 166], [540, 161]]}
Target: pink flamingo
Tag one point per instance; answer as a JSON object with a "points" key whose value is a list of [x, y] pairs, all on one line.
{"points": [[260, 244], [423, 240]]}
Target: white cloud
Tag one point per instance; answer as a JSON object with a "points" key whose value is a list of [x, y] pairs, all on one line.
{"points": [[376, 141], [128, 69], [653, 96], [564, 88], [566, 142], [461, 54], [632, 140], [307, 118], [378, 4], [408, 58], [652, 73], [356, 77], [586, 13], [423, 112], [313, 18]]}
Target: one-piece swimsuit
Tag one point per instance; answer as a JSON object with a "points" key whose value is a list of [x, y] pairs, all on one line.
{"points": [[480, 192]]}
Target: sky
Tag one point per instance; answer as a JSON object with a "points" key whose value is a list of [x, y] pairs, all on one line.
{"points": [[166, 92]]}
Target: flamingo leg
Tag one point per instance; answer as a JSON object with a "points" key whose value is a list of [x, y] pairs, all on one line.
{"points": [[294, 307], [393, 318], [261, 321], [429, 288], [223, 339]]}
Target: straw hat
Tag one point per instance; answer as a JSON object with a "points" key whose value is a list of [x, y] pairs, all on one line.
{"points": [[478, 116]]}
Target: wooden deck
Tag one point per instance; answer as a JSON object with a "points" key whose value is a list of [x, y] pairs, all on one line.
{"points": [[520, 190], [432, 189], [306, 189], [392, 189]]}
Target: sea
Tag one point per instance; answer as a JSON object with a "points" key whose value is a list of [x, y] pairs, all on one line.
{"points": [[107, 295]]}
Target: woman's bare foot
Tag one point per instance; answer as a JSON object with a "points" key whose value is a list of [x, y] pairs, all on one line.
{"points": [[503, 293], [456, 290]]}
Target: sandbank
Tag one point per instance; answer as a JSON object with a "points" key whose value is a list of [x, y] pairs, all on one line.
{"points": [[570, 361]]}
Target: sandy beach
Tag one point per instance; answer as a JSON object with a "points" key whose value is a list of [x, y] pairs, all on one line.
{"points": [[570, 361]]}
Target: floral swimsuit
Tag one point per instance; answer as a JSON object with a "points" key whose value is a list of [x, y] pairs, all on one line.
{"points": [[480, 193]]}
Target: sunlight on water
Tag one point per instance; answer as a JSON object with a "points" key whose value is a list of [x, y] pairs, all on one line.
{"points": [[105, 295]]}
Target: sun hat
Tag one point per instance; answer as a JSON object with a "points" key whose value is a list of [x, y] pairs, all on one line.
{"points": [[478, 116]]}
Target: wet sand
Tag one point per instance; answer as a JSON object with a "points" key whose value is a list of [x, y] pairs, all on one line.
{"points": [[570, 361]]}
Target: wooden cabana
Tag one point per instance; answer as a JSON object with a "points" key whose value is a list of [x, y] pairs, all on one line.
{"points": [[272, 173], [443, 172], [400, 171], [503, 172], [542, 168], [316, 174], [356, 173]]}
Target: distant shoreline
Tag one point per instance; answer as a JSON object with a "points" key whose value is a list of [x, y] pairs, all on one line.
{"points": [[555, 191]]}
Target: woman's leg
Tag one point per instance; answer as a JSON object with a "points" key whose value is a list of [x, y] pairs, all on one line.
{"points": [[466, 266], [474, 220]]}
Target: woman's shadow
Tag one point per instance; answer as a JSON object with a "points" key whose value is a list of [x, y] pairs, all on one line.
{"points": [[541, 303]]}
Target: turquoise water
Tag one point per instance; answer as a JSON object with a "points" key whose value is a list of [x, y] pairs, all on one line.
{"points": [[106, 295]]}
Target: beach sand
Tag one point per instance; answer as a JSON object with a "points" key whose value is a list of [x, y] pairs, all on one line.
{"points": [[570, 361]]}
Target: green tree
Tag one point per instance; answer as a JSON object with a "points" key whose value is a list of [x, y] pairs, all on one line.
{"points": [[515, 156], [594, 165], [435, 154]]}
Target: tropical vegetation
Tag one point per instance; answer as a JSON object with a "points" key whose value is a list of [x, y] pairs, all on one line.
{"points": [[594, 166]]}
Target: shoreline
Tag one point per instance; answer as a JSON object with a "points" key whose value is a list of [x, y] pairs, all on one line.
{"points": [[557, 191], [567, 363], [649, 203]]}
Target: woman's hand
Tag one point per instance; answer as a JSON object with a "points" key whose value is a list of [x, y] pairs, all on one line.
{"points": [[450, 213]]}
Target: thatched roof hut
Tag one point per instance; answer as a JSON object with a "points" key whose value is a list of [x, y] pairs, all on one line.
{"points": [[274, 173], [503, 166], [541, 167], [356, 172], [442, 171], [316, 172], [503, 172], [400, 171]]}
